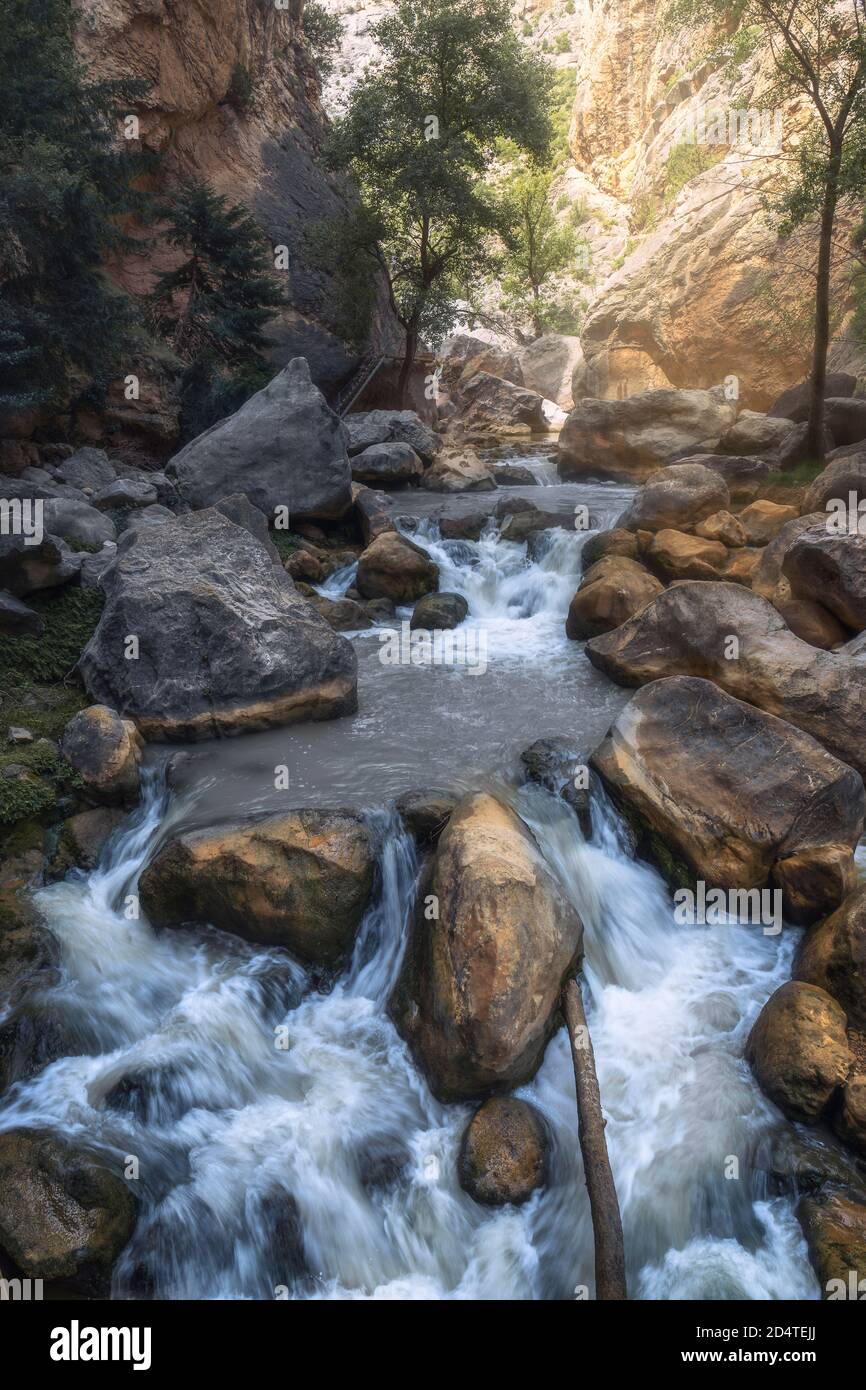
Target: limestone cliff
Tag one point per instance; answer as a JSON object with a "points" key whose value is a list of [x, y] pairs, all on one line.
{"points": [[261, 150]]}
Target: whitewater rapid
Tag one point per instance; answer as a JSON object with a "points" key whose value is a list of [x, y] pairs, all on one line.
{"points": [[287, 1146]]}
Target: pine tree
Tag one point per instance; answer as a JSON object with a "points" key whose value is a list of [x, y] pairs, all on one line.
{"points": [[213, 307], [67, 179]]}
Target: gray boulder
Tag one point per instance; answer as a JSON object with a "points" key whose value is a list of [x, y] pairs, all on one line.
{"points": [[743, 473], [225, 642], [846, 419], [793, 404], [16, 619], [387, 465], [284, 448], [754, 433], [87, 468], [77, 521], [125, 492], [391, 426], [676, 497], [842, 476], [26, 569], [830, 569]]}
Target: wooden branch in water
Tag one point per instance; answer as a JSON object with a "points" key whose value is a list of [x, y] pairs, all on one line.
{"points": [[603, 1203]]}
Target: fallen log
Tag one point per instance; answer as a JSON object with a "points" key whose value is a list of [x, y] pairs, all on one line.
{"points": [[610, 1281]]}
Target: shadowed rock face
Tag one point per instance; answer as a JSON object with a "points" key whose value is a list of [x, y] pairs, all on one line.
{"points": [[300, 880], [479, 992], [833, 956], [689, 630], [829, 569], [283, 448], [225, 642], [835, 1231], [725, 793]]}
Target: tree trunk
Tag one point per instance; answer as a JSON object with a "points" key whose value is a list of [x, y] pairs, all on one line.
{"points": [[606, 1222], [815, 432], [406, 368]]}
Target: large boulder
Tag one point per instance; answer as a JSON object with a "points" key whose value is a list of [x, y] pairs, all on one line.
{"points": [[763, 520], [105, 751], [28, 568], [549, 365], [224, 641], [754, 433], [372, 511], [798, 1048], [300, 879], [283, 448], [676, 498], [16, 619], [833, 956], [88, 469], [598, 544], [463, 355], [64, 1215], [439, 612], [633, 437], [723, 793], [387, 465], [493, 941], [732, 636], [768, 579], [504, 1153], [387, 426], [836, 482], [834, 1225], [793, 404], [675, 555], [725, 527], [846, 419], [459, 470], [812, 623], [612, 590], [77, 521], [395, 568], [744, 474], [493, 406], [830, 569]]}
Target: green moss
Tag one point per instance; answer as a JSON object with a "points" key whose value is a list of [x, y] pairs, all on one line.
{"points": [[685, 161], [70, 619], [286, 542]]}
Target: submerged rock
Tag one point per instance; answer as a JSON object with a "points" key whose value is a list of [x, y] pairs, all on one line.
{"points": [[64, 1215], [727, 794], [504, 1152], [493, 941], [301, 879], [224, 641], [798, 1049], [284, 448]]}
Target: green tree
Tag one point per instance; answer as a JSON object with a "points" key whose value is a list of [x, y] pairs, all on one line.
{"points": [[213, 307], [420, 133], [323, 33], [539, 248], [818, 51], [66, 183]]}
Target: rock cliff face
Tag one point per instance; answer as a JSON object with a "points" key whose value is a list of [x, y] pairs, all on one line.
{"points": [[262, 151], [688, 284]]}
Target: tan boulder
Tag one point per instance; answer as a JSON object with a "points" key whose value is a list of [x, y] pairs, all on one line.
{"points": [[835, 1229], [723, 793], [301, 879], [812, 623], [490, 405], [741, 565], [849, 1122], [617, 541], [633, 437], [798, 1049], [725, 527], [763, 520], [549, 366], [493, 941], [395, 568], [504, 1153], [730, 635], [459, 470], [679, 556], [612, 590], [833, 956], [105, 751]]}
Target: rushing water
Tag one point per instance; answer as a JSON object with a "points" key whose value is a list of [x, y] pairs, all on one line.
{"points": [[286, 1143]]}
